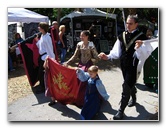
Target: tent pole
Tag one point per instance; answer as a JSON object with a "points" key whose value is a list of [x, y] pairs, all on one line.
{"points": [[116, 27], [124, 19], [72, 31]]}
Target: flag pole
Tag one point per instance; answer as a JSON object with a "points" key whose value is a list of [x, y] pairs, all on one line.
{"points": [[27, 39]]}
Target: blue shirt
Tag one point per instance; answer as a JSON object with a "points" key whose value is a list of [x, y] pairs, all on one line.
{"points": [[18, 40], [84, 76]]}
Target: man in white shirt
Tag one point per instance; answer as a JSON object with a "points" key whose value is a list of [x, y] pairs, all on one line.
{"points": [[124, 49]]}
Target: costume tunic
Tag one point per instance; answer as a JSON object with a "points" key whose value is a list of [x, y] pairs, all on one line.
{"points": [[94, 91], [84, 55]]}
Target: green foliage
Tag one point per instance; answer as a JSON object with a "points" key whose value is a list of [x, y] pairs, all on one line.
{"points": [[143, 13], [66, 11], [43, 11], [52, 13], [148, 13]]}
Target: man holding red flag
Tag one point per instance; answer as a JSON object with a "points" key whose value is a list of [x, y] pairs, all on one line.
{"points": [[55, 37], [34, 51]]}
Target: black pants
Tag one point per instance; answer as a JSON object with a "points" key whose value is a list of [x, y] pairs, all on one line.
{"points": [[129, 89], [41, 73]]}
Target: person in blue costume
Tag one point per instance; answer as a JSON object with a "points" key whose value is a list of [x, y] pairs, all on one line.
{"points": [[95, 92]]}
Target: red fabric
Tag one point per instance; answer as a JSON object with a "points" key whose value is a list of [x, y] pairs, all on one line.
{"points": [[81, 91], [61, 83], [35, 50], [54, 42], [29, 53], [82, 85]]}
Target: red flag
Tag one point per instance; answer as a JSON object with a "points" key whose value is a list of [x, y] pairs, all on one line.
{"points": [[29, 53], [61, 83], [54, 43]]}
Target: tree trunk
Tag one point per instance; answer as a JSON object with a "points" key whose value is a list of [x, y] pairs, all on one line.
{"points": [[59, 16]]}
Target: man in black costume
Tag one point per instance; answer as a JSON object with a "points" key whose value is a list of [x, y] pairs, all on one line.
{"points": [[124, 49]]}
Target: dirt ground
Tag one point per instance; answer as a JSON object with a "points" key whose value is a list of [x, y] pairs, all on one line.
{"points": [[18, 85]]}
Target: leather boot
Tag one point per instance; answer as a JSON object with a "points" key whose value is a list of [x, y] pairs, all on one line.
{"points": [[124, 101], [118, 116], [132, 102]]}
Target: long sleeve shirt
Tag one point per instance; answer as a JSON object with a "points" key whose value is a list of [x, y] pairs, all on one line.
{"points": [[84, 76], [144, 51], [84, 54], [116, 51], [45, 46]]}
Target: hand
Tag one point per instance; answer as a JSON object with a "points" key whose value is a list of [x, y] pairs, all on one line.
{"points": [[45, 65], [138, 43], [103, 56], [76, 68], [36, 38], [13, 48], [65, 64]]}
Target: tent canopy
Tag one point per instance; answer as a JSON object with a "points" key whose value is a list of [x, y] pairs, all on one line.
{"points": [[88, 12], [24, 15]]}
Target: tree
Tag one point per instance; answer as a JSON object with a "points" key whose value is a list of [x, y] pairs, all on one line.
{"points": [[43, 11], [59, 15], [150, 14]]}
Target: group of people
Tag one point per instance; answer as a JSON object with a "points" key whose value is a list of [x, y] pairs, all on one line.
{"points": [[59, 40], [125, 48]]}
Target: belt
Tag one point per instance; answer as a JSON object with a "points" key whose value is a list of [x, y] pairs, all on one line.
{"points": [[43, 54]]}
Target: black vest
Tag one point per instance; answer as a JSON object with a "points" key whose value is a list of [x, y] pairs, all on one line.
{"points": [[127, 57]]}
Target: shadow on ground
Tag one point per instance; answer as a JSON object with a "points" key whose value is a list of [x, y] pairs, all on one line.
{"points": [[143, 87], [105, 108], [41, 99], [107, 64], [142, 112], [19, 71], [66, 111]]}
